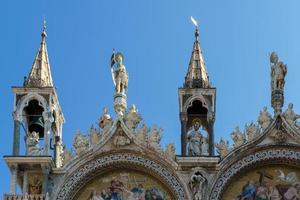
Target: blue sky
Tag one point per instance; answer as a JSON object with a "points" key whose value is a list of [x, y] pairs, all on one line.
{"points": [[156, 38]]}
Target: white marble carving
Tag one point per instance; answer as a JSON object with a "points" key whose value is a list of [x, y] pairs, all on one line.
{"points": [[291, 117], [252, 131], [264, 119], [223, 148], [120, 139], [66, 156], [132, 118], [155, 137], [142, 133], [170, 151], [80, 143], [194, 138], [32, 141], [278, 72], [238, 137], [105, 121], [196, 185], [95, 137]]}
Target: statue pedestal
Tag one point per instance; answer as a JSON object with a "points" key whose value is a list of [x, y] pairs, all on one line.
{"points": [[277, 100], [120, 104]]}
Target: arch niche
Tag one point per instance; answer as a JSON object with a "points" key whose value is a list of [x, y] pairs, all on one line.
{"points": [[262, 170], [133, 172]]}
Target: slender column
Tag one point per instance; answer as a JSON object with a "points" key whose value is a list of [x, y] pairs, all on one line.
{"points": [[57, 151], [183, 119], [13, 179], [48, 119], [211, 140], [16, 142], [25, 182], [46, 170]]}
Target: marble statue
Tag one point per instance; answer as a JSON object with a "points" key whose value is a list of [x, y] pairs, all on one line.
{"points": [[278, 72], [119, 74], [223, 148], [264, 119], [238, 137], [80, 143], [170, 151], [290, 116], [252, 131], [204, 147], [133, 118], [105, 121], [32, 141], [194, 138], [196, 185], [155, 137]]}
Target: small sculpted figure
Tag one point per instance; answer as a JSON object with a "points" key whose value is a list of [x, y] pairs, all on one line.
{"points": [[264, 119], [238, 137]]}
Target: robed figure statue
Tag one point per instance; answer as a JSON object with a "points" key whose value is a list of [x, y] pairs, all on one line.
{"points": [[194, 138]]}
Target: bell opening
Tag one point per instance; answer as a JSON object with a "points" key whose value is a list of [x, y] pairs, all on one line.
{"points": [[35, 121]]}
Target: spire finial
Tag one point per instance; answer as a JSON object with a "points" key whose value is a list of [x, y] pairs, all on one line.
{"points": [[44, 33], [194, 21]]}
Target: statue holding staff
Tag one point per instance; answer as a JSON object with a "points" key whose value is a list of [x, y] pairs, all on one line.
{"points": [[119, 74]]}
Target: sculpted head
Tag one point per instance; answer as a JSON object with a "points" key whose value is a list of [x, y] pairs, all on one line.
{"points": [[273, 58], [119, 57], [196, 126]]}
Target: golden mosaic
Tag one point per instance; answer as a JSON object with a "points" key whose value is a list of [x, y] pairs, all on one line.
{"points": [[265, 183], [124, 185]]}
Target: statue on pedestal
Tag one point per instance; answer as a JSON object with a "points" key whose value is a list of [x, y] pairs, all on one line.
{"points": [[278, 73], [120, 80]]}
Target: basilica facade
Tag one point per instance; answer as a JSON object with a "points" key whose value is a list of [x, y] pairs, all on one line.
{"points": [[122, 158]]}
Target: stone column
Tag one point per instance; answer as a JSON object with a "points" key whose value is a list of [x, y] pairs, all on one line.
{"points": [[13, 179], [16, 142], [46, 171], [48, 119], [57, 152], [211, 140], [25, 182], [183, 119]]}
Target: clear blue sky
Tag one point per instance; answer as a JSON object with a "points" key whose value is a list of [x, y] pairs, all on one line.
{"points": [[156, 38]]}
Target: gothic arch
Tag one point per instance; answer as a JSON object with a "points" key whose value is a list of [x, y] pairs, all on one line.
{"points": [[285, 154], [24, 101], [191, 99], [81, 175]]}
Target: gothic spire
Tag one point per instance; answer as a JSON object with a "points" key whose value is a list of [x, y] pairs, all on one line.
{"points": [[40, 74], [197, 76]]}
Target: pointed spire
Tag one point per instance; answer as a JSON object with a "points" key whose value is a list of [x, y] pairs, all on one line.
{"points": [[197, 76], [40, 74]]}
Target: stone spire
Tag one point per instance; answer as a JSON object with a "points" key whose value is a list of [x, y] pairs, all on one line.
{"points": [[197, 76], [40, 74]]}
